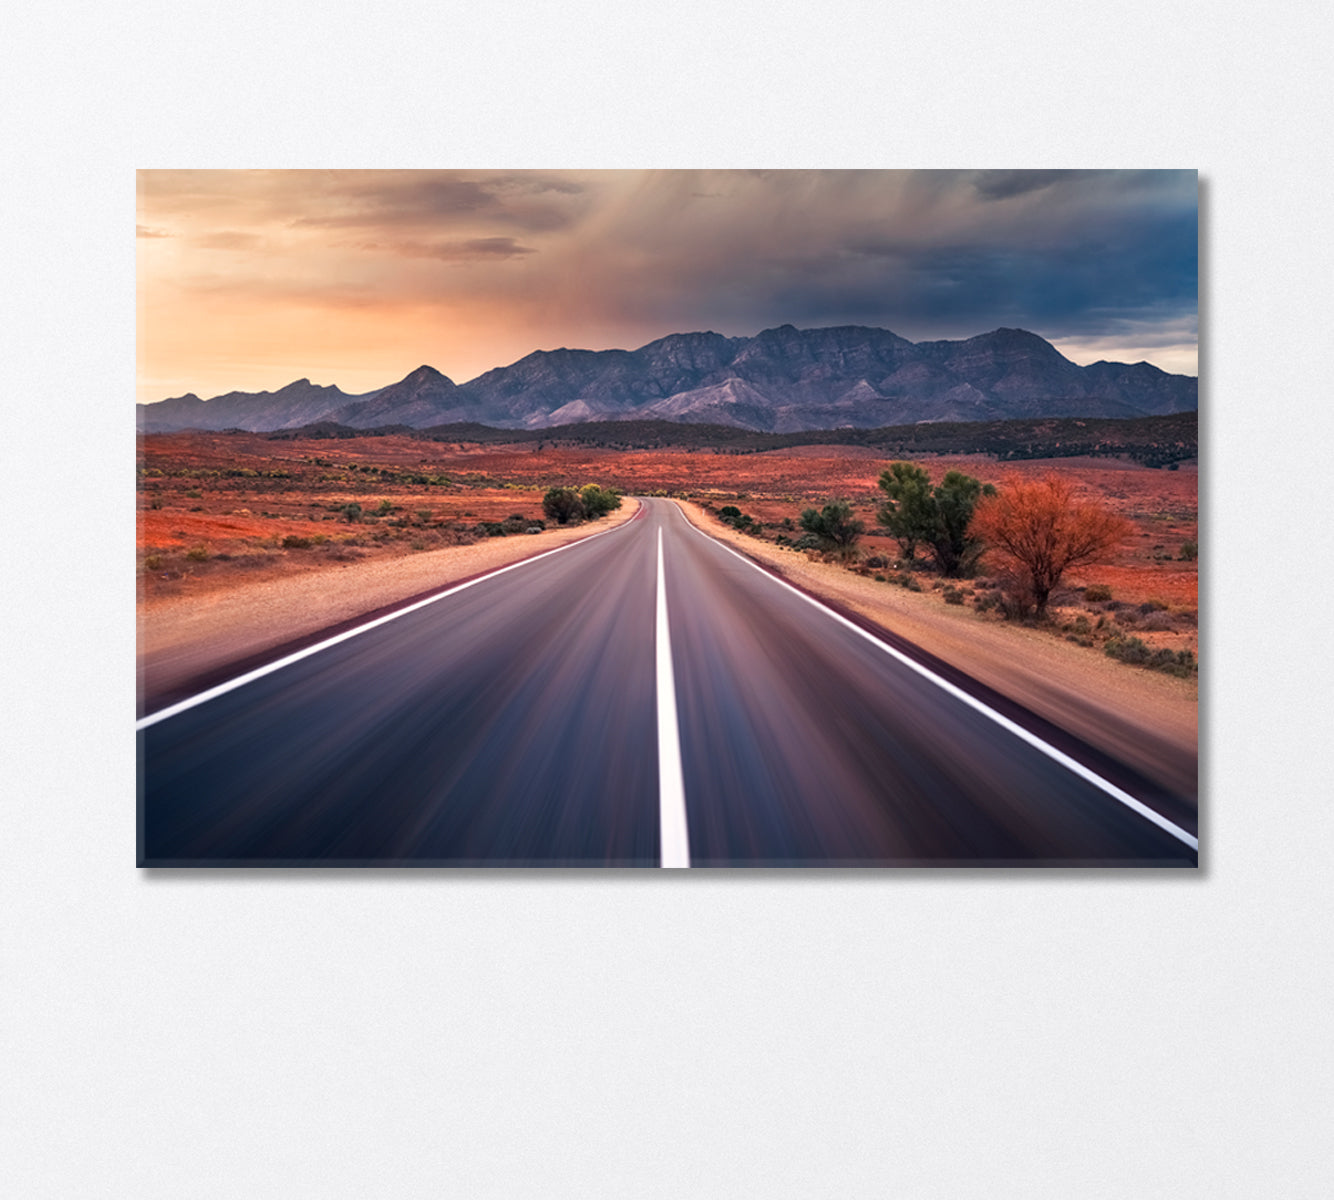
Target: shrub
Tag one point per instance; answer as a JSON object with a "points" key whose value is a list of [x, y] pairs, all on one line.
{"points": [[1128, 650], [563, 505], [729, 512], [1097, 592], [351, 512], [195, 494], [293, 542], [153, 562], [953, 596], [598, 501], [386, 507], [197, 554], [1190, 551], [834, 528]]}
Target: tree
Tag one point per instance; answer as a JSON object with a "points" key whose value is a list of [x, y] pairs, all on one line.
{"points": [[834, 528], [909, 512], [563, 505], [955, 549], [917, 513], [1042, 530]]}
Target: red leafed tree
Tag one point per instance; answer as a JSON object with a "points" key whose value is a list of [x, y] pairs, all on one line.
{"points": [[1042, 530]]}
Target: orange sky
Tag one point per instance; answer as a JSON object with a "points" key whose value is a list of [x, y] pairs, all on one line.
{"points": [[250, 279]]}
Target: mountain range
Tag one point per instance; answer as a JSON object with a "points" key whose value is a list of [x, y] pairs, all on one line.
{"points": [[779, 381]]}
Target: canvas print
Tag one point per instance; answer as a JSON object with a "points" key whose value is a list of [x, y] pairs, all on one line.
{"points": [[667, 518]]}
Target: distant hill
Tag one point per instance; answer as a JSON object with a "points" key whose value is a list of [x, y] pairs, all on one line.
{"points": [[782, 380], [1153, 441]]}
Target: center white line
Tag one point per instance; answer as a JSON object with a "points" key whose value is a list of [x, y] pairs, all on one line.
{"points": [[671, 787]]}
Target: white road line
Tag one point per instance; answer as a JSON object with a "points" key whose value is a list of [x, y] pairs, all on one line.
{"points": [[671, 786], [958, 693], [277, 665]]}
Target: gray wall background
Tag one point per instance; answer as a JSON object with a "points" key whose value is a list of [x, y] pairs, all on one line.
{"points": [[958, 1034]]}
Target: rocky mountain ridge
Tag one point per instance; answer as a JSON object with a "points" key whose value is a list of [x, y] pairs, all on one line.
{"points": [[781, 380]]}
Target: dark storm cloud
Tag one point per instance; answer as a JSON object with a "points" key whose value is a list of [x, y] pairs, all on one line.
{"points": [[1002, 185], [928, 254], [1117, 264]]}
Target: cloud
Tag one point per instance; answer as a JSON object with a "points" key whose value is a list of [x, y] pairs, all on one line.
{"points": [[924, 253], [432, 199], [1004, 185], [484, 249]]}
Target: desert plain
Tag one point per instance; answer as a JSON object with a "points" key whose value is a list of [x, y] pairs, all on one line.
{"points": [[251, 545]]}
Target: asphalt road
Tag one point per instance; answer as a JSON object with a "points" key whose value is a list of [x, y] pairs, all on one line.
{"points": [[526, 719]]}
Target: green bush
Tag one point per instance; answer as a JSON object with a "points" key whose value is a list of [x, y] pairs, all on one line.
{"points": [[197, 554], [293, 542], [599, 501], [1127, 650], [351, 512], [938, 517], [1097, 592], [1190, 551], [563, 505], [153, 562], [834, 528], [953, 595]]}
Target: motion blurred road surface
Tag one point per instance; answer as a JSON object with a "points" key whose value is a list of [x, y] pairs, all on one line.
{"points": [[516, 722]]}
